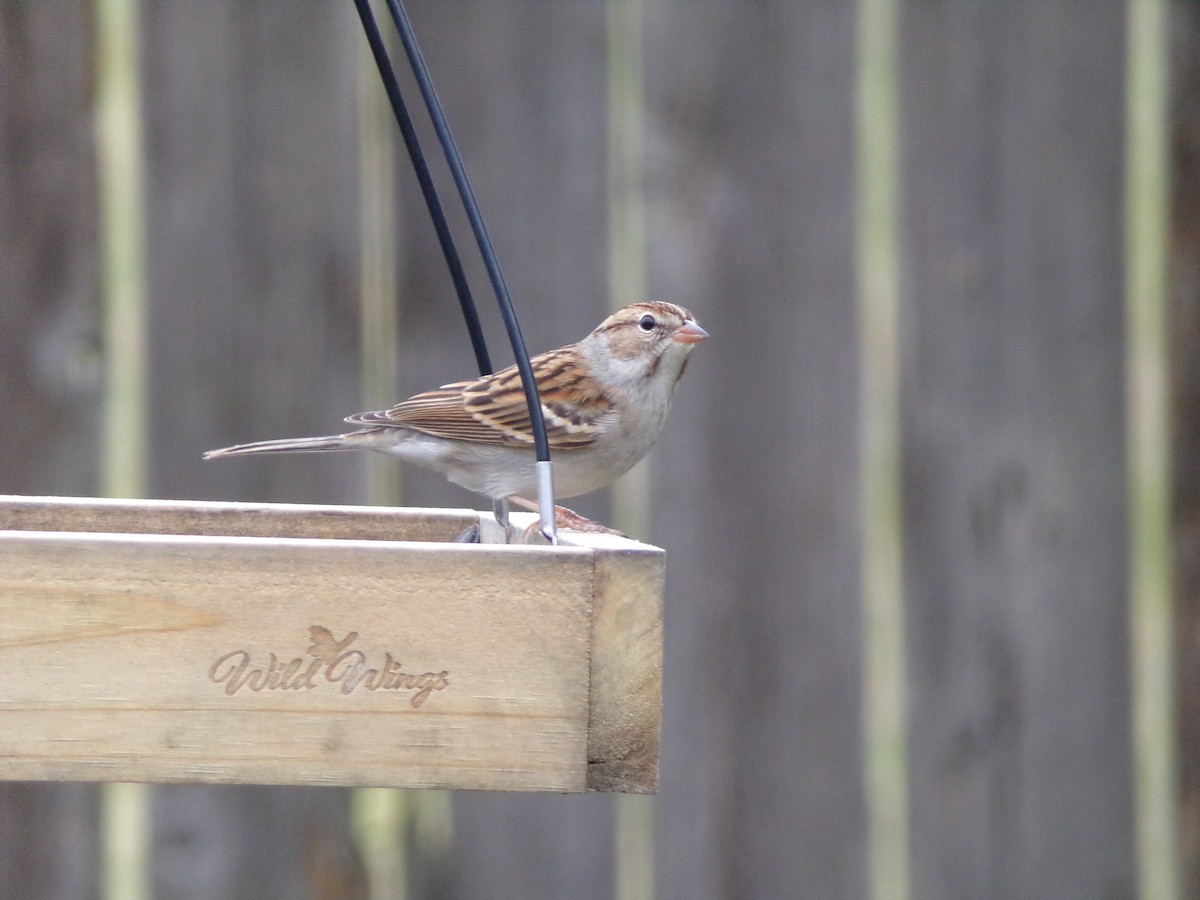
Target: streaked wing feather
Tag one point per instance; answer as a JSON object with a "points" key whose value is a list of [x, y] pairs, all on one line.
{"points": [[492, 410]]}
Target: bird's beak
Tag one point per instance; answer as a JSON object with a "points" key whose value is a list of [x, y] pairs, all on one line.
{"points": [[689, 333]]}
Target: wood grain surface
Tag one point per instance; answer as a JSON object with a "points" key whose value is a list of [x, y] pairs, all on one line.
{"points": [[1011, 191], [1013, 451], [193, 657]]}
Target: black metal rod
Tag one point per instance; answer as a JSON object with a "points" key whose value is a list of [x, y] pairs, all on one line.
{"points": [[486, 250], [428, 190]]}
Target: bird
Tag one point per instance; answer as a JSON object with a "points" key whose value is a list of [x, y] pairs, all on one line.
{"points": [[605, 400]]}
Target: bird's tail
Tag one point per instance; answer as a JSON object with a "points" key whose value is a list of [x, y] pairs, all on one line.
{"points": [[287, 445]]}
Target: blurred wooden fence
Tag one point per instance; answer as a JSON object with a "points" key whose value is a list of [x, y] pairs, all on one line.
{"points": [[920, 547]]}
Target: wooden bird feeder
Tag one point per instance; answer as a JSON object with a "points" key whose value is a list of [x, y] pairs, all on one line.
{"points": [[167, 641]]}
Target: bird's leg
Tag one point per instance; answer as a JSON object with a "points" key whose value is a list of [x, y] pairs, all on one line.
{"points": [[568, 518], [500, 511]]}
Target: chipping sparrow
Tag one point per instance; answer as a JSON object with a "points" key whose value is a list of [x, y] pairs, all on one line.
{"points": [[604, 399]]}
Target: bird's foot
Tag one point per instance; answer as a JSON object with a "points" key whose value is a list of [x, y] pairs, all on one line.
{"points": [[485, 532], [565, 519], [573, 521], [469, 536]]}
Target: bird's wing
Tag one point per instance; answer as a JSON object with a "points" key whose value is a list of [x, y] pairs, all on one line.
{"points": [[492, 410]]}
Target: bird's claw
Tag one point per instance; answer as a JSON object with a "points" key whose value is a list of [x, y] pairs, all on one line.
{"points": [[568, 518], [564, 518], [469, 536]]}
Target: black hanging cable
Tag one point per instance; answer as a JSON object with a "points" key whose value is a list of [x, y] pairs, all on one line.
{"points": [[487, 251], [544, 470], [444, 235]]}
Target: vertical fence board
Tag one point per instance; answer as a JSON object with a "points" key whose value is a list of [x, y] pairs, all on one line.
{"points": [[252, 244], [1012, 396], [48, 336], [252, 297], [749, 175], [237, 842], [1185, 332], [1014, 515], [48, 364], [523, 88]]}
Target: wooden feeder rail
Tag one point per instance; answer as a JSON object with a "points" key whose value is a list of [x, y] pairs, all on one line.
{"points": [[165, 641]]}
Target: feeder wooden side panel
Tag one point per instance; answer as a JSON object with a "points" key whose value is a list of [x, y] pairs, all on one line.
{"points": [[277, 520], [167, 658], [626, 703]]}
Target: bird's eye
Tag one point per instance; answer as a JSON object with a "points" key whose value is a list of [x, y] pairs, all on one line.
{"points": [[647, 323]]}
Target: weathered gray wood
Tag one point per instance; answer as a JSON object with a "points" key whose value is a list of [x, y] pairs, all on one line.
{"points": [[251, 199], [1012, 386], [252, 291], [50, 387], [750, 156], [196, 859], [49, 384], [1185, 351], [1014, 514], [49, 840], [523, 86]]}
